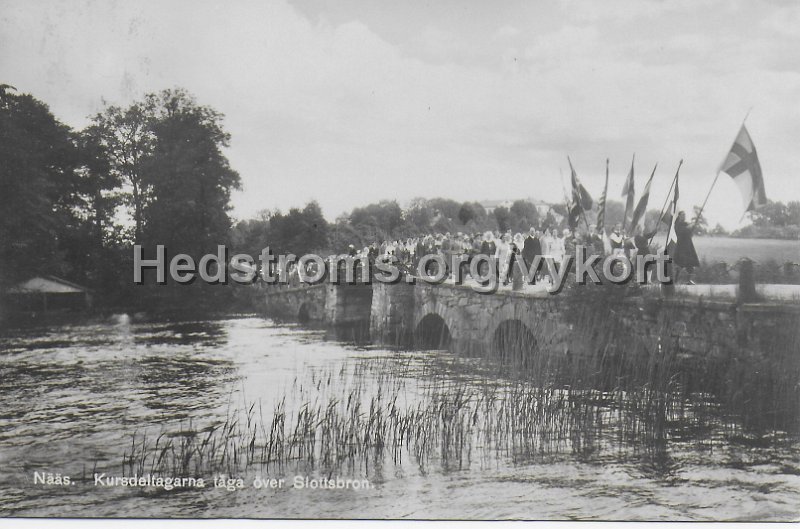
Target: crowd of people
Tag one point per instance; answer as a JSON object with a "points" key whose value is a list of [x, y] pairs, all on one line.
{"points": [[552, 245], [507, 247]]}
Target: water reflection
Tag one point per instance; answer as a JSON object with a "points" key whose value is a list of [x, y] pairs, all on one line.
{"points": [[437, 435]]}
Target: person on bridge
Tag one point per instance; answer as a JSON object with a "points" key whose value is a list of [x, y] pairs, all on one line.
{"points": [[503, 255], [531, 248], [617, 240], [558, 248], [488, 245]]}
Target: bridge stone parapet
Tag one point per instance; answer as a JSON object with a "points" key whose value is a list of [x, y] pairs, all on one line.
{"points": [[479, 322], [474, 323], [323, 303], [305, 304]]}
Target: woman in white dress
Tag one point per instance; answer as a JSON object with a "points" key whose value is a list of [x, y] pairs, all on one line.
{"points": [[503, 255], [558, 249], [547, 242]]}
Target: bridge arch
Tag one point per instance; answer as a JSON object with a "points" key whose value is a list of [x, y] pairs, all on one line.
{"points": [[432, 332], [435, 326], [514, 343], [515, 332], [309, 311]]}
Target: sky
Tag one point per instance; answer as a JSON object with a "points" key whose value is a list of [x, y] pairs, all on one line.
{"points": [[349, 102]]}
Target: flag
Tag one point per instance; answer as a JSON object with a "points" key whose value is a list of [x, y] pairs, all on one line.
{"points": [[671, 236], [637, 221], [580, 196], [742, 165], [573, 215], [573, 210], [601, 204], [628, 190]]}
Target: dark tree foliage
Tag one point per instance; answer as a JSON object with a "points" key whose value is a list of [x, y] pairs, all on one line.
{"points": [[66, 195], [775, 220], [42, 198], [127, 139], [466, 213], [524, 215], [188, 175], [503, 217], [300, 231], [378, 221]]}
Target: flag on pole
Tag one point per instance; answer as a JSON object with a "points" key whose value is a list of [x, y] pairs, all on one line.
{"points": [[573, 210], [601, 204], [637, 221], [628, 191], [580, 196], [742, 165], [671, 236], [573, 215]]}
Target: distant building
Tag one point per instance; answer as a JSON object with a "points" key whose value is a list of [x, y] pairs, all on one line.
{"points": [[541, 207], [45, 293], [491, 205]]}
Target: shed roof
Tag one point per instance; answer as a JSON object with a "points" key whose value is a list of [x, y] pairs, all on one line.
{"points": [[47, 285]]}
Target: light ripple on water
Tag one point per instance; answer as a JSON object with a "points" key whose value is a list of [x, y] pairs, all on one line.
{"points": [[70, 398]]}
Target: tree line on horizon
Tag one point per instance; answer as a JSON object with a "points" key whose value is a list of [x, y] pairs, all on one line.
{"points": [[74, 202]]}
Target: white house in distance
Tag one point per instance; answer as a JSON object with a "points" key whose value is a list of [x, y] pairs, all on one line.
{"points": [[491, 205], [541, 207]]}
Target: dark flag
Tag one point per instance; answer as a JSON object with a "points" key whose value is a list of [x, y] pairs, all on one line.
{"points": [[580, 196], [742, 165], [637, 221], [573, 215], [601, 204], [672, 238], [629, 192]]}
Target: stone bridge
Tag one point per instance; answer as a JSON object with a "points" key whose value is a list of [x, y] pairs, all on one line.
{"points": [[321, 303], [524, 324]]}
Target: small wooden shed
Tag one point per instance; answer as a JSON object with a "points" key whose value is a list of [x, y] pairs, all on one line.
{"points": [[45, 293]]}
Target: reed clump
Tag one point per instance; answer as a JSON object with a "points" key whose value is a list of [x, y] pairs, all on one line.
{"points": [[535, 396]]}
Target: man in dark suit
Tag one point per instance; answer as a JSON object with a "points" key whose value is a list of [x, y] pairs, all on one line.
{"points": [[531, 248]]}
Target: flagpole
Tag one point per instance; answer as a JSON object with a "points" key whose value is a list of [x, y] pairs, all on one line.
{"points": [[625, 214], [666, 201], [700, 212], [719, 170], [585, 222], [602, 213], [564, 191], [669, 231], [563, 188], [583, 213]]}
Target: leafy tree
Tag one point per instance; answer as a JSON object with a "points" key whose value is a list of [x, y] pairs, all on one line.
{"points": [[503, 217], [299, 231], [127, 138], [40, 198], [445, 208], [793, 213], [700, 221], [379, 220], [718, 230], [772, 214], [419, 216], [251, 235], [188, 176], [466, 213], [524, 215]]}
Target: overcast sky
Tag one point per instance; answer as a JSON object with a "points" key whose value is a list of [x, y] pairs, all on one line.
{"points": [[348, 102]]}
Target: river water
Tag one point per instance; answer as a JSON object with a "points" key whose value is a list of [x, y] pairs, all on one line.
{"points": [[78, 400]]}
